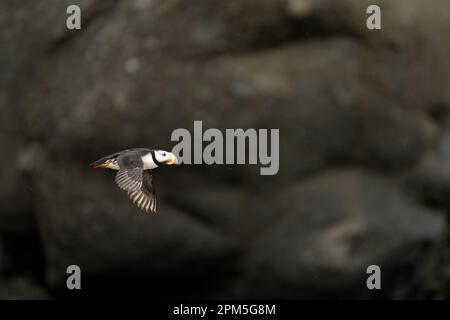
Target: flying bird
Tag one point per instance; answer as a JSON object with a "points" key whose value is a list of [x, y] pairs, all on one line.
{"points": [[134, 172]]}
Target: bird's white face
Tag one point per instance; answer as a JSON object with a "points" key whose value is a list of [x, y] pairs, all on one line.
{"points": [[165, 157]]}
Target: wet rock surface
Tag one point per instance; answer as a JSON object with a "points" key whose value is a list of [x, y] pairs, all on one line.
{"points": [[363, 119]]}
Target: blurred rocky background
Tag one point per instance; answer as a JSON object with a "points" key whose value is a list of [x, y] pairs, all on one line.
{"points": [[364, 148]]}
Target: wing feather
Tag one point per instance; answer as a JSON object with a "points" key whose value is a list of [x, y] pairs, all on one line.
{"points": [[129, 179], [144, 198], [138, 183]]}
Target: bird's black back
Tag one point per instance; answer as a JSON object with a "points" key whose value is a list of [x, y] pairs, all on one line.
{"points": [[133, 153]]}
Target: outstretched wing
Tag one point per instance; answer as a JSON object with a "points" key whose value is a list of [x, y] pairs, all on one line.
{"points": [[130, 179], [145, 197]]}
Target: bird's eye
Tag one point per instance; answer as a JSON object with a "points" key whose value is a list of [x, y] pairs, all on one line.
{"points": [[163, 154]]}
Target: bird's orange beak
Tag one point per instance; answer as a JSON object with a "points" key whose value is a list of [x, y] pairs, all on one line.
{"points": [[100, 165], [172, 160]]}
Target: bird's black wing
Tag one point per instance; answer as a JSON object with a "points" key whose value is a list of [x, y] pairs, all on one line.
{"points": [[145, 198], [130, 175], [129, 179]]}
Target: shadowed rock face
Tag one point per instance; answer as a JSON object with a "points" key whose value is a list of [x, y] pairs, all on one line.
{"points": [[333, 227], [363, 119]]}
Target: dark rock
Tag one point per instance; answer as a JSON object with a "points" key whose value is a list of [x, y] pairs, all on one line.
{"points": [[332, 228], [429, 182], [19, 287], [84, 219], [234, 211], [340, 94], [3, 259], [16, 191]]}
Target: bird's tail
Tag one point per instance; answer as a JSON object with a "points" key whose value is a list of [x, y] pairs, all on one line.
{"points": [[103, 160]]}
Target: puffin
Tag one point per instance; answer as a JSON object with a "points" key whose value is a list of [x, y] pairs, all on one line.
{"points": [[134, 173]]}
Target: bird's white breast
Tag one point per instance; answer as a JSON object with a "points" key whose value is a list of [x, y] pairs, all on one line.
{"points": [[148, 162]]}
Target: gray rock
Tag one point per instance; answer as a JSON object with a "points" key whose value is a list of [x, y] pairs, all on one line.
{"points": [[339, 93], [234, 211], [84, 219], [429, 182], [332, 228], [21, 288], [16, 190], [3, 259]]}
